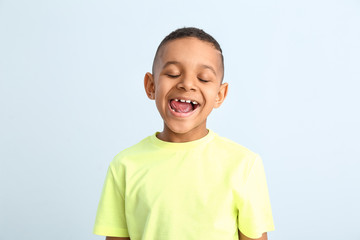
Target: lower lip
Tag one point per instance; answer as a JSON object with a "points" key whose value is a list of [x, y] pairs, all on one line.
{"points": [[180, 114]]}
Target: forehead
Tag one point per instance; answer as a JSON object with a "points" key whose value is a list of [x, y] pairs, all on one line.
{"points": [[189, 52]]}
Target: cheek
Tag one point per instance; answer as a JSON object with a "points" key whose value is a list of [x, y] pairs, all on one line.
{"points": [[158, 90], [160, 96], [162, 89], [212, 95], [212, 99]]}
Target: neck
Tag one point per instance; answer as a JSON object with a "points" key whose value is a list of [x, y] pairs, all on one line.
{"points": [[170, 136]]}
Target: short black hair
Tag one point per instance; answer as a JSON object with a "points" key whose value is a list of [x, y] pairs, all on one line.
{"points": [[190, 32]]}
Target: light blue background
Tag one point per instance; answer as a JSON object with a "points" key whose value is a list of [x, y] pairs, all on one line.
{"points": [[71, 97]]}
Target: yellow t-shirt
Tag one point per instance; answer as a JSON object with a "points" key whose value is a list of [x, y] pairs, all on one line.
{"points": [[203, 189]]}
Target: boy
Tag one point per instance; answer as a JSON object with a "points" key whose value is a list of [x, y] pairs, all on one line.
{"points": [[186, 182]]}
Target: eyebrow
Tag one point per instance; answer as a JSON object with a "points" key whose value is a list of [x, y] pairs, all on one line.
{"points": [[170, 63], [209, 67], [177, 63]]}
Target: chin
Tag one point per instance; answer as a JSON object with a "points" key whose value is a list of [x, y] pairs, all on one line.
{"points": [[179, 130], [183, 128]]}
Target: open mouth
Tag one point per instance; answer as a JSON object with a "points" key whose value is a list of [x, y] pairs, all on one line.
{"points": [[183, 105]]}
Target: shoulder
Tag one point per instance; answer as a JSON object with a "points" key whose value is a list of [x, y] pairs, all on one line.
{"points": [[234, 155], [239, 160], [132, 152], [230, 147]]}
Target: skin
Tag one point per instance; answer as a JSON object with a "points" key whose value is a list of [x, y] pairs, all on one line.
{"points": [[243, 237], [186, 68]]}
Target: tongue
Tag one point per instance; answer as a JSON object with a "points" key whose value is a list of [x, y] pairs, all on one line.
{"points": [[183, 107]]}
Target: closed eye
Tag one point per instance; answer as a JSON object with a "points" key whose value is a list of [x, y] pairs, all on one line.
{"points": [[172, 75], [203, 80]]}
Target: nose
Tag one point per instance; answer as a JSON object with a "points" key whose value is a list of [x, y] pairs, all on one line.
{"points": [[187, 83]]}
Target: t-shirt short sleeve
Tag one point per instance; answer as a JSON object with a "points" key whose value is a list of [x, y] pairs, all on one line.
{"points": [[254, 210], [110, 217]]}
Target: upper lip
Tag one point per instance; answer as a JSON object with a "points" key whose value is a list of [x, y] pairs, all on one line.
{"points": [[184, 99]]}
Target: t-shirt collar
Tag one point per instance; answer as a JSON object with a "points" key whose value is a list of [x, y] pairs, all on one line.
{"points": [[184, 145]]}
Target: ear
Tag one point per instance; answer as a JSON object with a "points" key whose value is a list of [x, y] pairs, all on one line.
{"points": [[221, 95], [149, 85]]}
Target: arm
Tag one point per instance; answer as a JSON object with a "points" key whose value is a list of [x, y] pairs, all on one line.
{"points": [[117, 238], [243, 237]]}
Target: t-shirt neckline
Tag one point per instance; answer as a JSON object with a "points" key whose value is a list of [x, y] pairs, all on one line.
{"points": [[184, 145]]}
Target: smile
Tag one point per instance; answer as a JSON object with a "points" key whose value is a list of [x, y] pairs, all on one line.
{"points": [[183, 105]]}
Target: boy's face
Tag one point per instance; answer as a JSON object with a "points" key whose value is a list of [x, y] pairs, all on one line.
{"points": [[189, 70]]}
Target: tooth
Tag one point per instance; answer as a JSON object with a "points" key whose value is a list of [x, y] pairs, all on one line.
{"points": [[188, 101], [194, 102], [182, 100], [176, 100]]}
